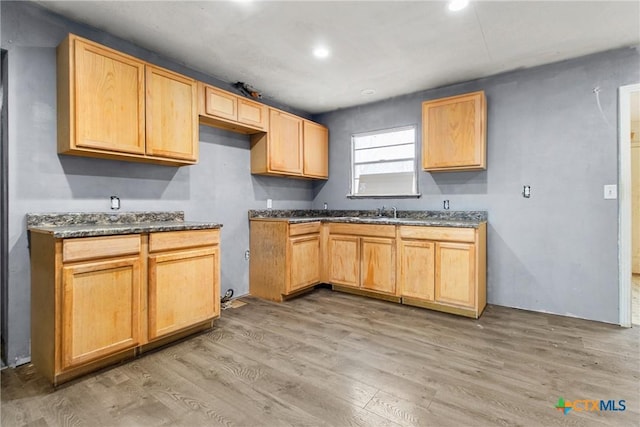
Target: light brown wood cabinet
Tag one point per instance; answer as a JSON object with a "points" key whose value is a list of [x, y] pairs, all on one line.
{"points": [[285, 258], [315, 150], [292, 147], [444, 268], [363, 256], [112, 105], [226, 110], [454, 133], [182, 268], [98, 300]]}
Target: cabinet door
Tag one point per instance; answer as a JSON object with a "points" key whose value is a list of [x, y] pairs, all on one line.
{"points": [[220, 103], [304, 267], [252, 113], [455, 273], [172, 115], [100, 309], [108, 90], [378, 264], [454, 133], [417, 268], [183, 289], [344, 253], [316, 150], [285, 143]]}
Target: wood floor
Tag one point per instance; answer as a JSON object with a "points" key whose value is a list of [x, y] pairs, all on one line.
{"points": [[335, 359]]}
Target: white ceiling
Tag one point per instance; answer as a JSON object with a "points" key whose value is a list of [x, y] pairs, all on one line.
{"points": [[392, 47]]}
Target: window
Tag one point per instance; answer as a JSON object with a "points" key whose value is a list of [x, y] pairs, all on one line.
{"points": [[384, 163]]}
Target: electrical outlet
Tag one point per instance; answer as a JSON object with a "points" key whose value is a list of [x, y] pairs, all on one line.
{"points": [[611, 191], [269, 203], [246, 254]]}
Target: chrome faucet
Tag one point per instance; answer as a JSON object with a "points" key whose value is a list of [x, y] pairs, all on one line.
{"points": [[395, 212]]}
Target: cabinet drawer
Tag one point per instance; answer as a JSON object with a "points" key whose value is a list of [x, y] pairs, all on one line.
{"points": [[306, 228], [169, 240], [451, 234], [84, 248], [363, 229]]}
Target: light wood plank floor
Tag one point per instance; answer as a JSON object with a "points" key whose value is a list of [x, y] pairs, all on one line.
{"points": [[334, 359]]}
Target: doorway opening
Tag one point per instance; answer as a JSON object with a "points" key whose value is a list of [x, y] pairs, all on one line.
{"points": [[629, 204], [4, 208]]}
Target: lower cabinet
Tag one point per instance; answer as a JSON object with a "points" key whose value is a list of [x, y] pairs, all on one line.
{"points": [[444, 268], [285, 258], [98, 300], [417, 269], [304, 261], [344, 260], [99, 293], [180, 291], [363, 256], [441, 268]]}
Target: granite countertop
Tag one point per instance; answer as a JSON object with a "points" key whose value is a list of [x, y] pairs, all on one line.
{"points": [[461, 219], [69, 225]]}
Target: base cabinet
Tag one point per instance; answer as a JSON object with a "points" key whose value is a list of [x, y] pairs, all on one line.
{"points": [[363, 257], [180, 291], [305, 261], [98, 300], [417, 269], [99, 293], [444, 268], [285, 258], [345, 256]]}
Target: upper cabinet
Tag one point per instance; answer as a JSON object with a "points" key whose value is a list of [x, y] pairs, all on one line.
{"points": [[229, 111], [315, 150], [292, 147], [454, 133], [112, 105]]}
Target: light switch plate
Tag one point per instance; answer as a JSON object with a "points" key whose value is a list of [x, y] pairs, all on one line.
{"points": [[611, 191]]}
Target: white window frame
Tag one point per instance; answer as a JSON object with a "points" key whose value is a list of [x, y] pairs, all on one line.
{"points": [[352, 190]]}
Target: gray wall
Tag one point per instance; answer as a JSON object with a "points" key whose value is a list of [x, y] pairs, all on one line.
{"points": [[557, 251], [219, 188]]}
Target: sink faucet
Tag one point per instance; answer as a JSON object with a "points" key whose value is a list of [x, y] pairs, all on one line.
{"points": [[395, 212]]}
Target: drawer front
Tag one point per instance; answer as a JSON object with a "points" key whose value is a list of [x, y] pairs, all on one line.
{"points": [[169, 240], [363, 229], [305, 228], [84, 248], [450, 234]]}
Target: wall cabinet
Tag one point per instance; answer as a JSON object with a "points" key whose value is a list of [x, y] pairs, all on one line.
{"points": [[454, 133], [315, 150], [112, 105], [226, 110], [444, 268], [285, 258], [363, 256], [98, 300], [292, 147]]}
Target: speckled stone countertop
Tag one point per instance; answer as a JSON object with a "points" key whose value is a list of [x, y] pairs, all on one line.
{"points": [[463, 219], [75, 224]]}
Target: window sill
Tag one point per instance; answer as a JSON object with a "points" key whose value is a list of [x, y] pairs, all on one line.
{"points": [[384, 196]]}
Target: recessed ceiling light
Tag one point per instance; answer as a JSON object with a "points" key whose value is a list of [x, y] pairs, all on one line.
{"points": [[456, 5], [367, 92], [321, 52]]}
